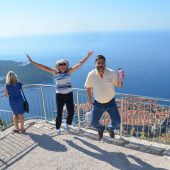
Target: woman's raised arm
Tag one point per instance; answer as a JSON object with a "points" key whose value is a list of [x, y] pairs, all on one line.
{"points": [[42, 67], [74, 68]]}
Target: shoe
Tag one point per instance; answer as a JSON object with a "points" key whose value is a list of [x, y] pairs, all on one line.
{"points": [[23, 130], [67, 127], [100, 133], [16, 130], [58, 131], [111, 133]]}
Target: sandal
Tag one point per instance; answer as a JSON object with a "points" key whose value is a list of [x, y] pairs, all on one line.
{"points": [[23, 130], [16, 130]]}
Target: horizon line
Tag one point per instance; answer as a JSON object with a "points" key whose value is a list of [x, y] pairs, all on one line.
{"points": [[83, 32]]}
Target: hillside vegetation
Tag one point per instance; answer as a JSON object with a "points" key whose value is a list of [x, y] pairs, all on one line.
{"points": [[27, 74]]}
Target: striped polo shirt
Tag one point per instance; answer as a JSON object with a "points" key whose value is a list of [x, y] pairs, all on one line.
{"points": [[63, 83]]}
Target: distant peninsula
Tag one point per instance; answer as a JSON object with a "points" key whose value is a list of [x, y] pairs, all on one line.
{"points": [[27, 74]]}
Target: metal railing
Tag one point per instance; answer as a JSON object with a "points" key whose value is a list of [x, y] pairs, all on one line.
{"points": [[141, 117]]}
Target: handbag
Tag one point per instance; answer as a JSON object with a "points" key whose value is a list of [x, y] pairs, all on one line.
{"points": [[26, 105]]}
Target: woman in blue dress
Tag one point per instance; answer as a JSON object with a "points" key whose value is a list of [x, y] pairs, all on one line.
{"points": [[13, 90]]}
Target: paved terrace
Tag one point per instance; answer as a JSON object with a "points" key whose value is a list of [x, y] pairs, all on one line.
{"points": [[41, 148]]}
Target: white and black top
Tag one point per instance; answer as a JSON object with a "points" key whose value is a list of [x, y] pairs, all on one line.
{"points": [[63, 83]]}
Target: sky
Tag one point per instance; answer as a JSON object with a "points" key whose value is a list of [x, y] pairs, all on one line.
{"points": [[37, 17]]}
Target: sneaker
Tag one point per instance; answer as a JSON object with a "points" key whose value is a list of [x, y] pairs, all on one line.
{"points": [[67, 127], [100, 133], [111, 133], [58, 131]]}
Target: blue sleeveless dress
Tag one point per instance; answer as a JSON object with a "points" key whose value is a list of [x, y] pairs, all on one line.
{"points": [[16, 100]]}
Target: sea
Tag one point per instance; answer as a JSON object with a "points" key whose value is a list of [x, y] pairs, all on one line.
{"points": [[144, 56]]}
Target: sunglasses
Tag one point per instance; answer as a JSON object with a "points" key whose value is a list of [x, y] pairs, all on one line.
{"points": [[62, 64]]}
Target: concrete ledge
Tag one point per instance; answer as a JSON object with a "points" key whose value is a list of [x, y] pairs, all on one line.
{"points": [[156, 151], [119, 141], [144, 148], [90, 135], [167, 153], [132, 146], [125, 143]]}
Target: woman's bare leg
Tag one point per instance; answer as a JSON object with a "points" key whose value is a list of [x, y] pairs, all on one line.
{"points": [[21, 118], [15, 119]]}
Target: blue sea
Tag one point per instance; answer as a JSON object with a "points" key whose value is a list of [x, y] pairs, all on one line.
{"points": [[144, 55]]}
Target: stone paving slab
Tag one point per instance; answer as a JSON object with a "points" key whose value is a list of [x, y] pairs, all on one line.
{"points": [[41, 148]]}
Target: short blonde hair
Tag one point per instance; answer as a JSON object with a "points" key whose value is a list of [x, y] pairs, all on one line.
{"points": [[11, 78]]}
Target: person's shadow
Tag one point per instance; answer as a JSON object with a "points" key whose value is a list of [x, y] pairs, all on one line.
{"points": [[46, 142], [116, 159]]}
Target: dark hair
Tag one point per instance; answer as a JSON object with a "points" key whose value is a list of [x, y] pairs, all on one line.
{"points": [[100, 57]]}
